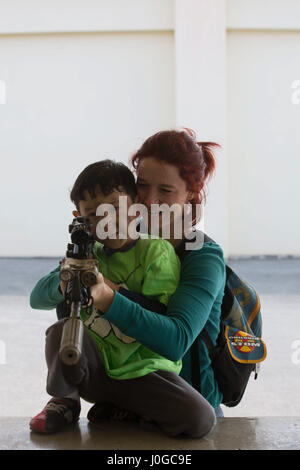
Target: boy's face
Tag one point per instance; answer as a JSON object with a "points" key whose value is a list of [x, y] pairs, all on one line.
{"points": [[88, 208]]}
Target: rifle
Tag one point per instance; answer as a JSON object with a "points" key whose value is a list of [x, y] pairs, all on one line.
{"points": [[79, 270]]}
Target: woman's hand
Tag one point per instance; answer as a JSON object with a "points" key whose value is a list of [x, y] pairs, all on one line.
{"points": [[102, 294]]}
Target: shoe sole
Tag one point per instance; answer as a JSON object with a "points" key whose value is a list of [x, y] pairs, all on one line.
{"points": [[35, 431]]}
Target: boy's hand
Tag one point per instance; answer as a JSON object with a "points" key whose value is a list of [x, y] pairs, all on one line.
{"points": [[97, 289], [102, 294], [62, 287]]}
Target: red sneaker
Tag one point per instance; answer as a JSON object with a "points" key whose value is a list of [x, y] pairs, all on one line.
{"points": [[57, 413]]}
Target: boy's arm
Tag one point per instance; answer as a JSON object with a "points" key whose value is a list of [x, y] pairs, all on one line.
{"points": [[46, 294]]}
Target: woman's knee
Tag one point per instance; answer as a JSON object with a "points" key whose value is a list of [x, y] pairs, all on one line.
{"points": [[200, 417]]}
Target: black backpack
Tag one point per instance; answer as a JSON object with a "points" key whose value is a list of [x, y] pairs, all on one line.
{"points": [[239, 347]]}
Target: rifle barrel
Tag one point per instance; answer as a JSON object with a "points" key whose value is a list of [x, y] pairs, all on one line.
{"points": [[71, 340]]}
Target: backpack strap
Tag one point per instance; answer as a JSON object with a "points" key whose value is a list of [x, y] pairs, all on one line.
{"points": [[208, 342], [195, 366], [195, 360]]}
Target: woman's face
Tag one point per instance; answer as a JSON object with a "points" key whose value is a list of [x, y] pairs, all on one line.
{"points": [[160, 183]]}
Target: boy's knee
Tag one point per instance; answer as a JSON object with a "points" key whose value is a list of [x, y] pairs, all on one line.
{"points": [[55, 329], [53, 337]]}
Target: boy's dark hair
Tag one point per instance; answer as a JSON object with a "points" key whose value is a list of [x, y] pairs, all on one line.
{"points": [[108, 175]]}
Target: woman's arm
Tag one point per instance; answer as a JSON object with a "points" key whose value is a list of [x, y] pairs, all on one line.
{"points": [[46, 294], [202, 282]]}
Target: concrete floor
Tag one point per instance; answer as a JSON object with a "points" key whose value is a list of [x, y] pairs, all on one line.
{"points": [[275, 393], [229, 434]]}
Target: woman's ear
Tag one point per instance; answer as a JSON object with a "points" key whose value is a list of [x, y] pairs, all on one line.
{"points": [[75, 213]]}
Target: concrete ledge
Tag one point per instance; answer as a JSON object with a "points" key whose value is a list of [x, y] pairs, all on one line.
{"points": [[274, 433]]}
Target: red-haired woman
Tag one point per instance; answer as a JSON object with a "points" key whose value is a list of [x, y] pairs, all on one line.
{"points": [[172, 168]]}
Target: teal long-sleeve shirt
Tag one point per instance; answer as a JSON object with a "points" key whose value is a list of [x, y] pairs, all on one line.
{"points": [[196, 303]]}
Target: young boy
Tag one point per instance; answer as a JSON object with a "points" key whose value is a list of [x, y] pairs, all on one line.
{"points": [[145, 266]]}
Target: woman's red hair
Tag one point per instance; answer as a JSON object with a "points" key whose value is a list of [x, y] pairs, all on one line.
{"points": [[195, 160]]}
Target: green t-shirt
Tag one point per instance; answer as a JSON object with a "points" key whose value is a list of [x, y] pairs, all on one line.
{"points": [[149, 267]]}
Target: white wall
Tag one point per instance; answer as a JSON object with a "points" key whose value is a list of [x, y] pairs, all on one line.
{"points": [[264, 142], [71, 100], [36, 16], [263, 127], [263, 14], [90, 79], [200, 51]]}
